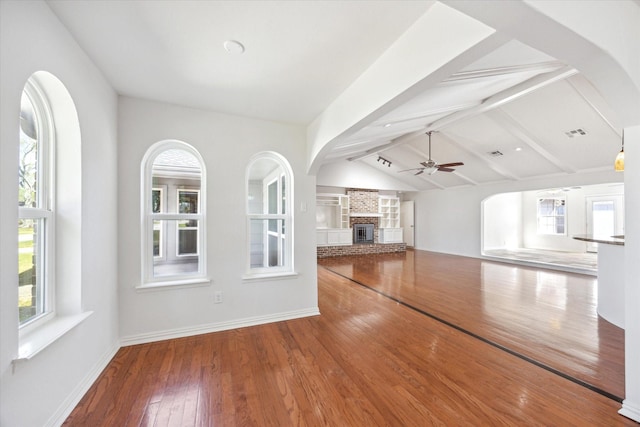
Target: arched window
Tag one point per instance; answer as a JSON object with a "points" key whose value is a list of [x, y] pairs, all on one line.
{"points": [[49, 214], [173, 215], [269, 215], [35, 205]]}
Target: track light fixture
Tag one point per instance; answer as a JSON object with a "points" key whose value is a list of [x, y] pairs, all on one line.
{"points": [[384, 161]]}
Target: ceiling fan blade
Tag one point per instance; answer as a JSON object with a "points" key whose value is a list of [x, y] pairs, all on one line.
{"points": [[425, 164], [446, 165], [412, 169], [419, 172], [441, 169]]}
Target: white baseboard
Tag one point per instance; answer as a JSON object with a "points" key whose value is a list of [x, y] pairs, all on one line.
{"points": [[83, 386], [630, 410], [216, 327]]}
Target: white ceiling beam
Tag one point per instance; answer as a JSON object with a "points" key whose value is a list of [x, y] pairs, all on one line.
{"points": [[542, 67], [467, 147], [407, 137], [506, 96], [593, 98], [488, 104], [510, 125]]}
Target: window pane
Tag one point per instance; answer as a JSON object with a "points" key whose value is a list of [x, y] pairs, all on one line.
{"points": [[273, 197], [28, 165], [157, 238], [156, 200], [284, 199], [179, 255], [187, 201], [188, 241], [273, 251], [30, 277], [267, 243]]}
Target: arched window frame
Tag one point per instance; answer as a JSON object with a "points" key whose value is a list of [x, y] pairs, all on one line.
{"points": [[44, 211], [148, 216], [60, 208], [286, 174]]}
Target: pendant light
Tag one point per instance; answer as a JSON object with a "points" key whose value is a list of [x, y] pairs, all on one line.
{"points": [[619, 163]]}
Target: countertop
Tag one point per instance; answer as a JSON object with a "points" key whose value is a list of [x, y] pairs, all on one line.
{"points": [[612, 240]]}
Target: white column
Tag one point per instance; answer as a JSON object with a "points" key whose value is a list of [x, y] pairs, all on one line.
{"points": [[631, 403]]}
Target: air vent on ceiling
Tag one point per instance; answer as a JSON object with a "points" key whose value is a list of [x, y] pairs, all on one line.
{"points": [[575, 132], [496, 153]]}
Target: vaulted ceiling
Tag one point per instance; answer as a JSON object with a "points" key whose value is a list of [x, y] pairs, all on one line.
{"points": [[514, 114]]}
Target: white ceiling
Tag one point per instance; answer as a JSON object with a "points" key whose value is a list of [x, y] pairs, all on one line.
{"points": [[300, 55]]}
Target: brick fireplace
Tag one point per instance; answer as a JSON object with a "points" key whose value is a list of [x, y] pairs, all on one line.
{"points": [[363, 209]]}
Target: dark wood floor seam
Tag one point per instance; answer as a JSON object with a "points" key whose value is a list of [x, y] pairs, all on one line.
{"points": [[483, 339]]}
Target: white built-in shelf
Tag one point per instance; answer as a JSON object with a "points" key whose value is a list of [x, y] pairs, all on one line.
{"points": [[389, 224], [333, 210]]}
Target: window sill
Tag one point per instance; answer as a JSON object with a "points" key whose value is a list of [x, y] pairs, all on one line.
{"points": [[269, 276], [172, 284], [40, 338]]}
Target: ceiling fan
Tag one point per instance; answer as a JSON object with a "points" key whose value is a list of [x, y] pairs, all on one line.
{"points": [[431, 167]]}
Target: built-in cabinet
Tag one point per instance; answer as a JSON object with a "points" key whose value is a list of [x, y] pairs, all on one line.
{"points": [[332, 220], [389, 227], [390, 235]]}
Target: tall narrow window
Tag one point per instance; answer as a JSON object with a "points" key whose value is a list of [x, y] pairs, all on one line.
{"points": [[552, 216], [269, 214], [35, 188], [173, 212]]}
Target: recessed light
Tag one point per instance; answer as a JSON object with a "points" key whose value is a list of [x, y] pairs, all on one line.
{"points": [[234, 47], [387, 125], [518, 148]]}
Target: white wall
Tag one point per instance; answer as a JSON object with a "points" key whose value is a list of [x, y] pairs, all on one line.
{"points": [[42, 390], [358, 175], [455, 224], [510, 219], [576, 209], [502, 221], [226, 144]]}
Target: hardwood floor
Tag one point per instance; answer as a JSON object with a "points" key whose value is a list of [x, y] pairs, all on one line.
{"points": [[367, 360], [547, 316]]}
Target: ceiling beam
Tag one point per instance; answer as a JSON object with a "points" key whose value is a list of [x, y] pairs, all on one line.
{"points": [[407, 137], [510, 125], [467, 147], [593, 98], [542, 67], [495, 101], [505, 96]]}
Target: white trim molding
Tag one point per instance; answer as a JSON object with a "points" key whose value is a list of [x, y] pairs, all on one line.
{"points": [[630, 410], [217, 327]]}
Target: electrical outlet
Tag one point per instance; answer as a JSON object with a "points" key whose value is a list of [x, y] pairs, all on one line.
{"points": [[217, 297]]}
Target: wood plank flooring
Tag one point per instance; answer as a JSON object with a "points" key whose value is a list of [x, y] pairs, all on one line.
{"points": [[547, 316], [366, 361]]}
